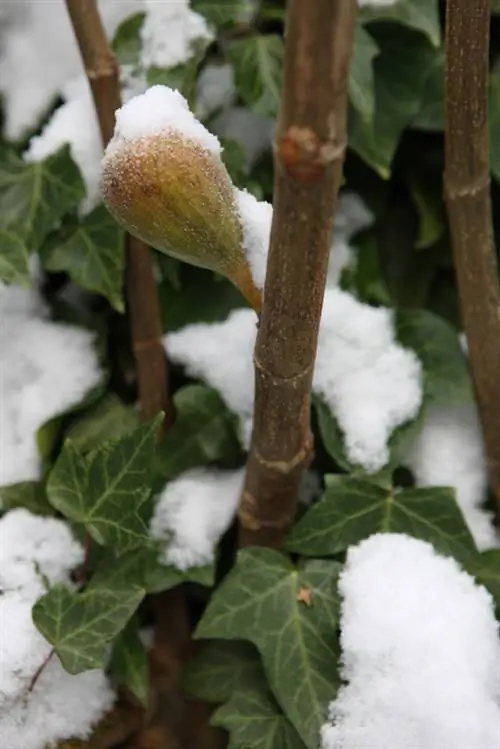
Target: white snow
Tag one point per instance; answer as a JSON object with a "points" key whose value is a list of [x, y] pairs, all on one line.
{"points": [[35, 551], [448, 451], [45, 368], [215, 89], [369, 381], [378, 3], [160, 110], [170, 33], [38, 55], [31, 546], [420, 653], [256, 217], [351, 216], [193, 512]]}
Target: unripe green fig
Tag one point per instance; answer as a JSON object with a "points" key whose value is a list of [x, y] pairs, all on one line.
{"points": [[165, 184]]}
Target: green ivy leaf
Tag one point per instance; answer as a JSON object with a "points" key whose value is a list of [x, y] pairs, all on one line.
{"points": [[253, 719], [487, 572], [291, 616], [421, 15], [431, 213], [30, 495], [401, 71], [223, 668], [108, 490], [258, 71], [203, 432], [181, 77], [109, 419], [431, 114], [34, 197], [129, 662], [127, 40], [222, 12], [361, 78], [352, 509], [80, 626], [435, 341], [14, 260], [93, 256]]}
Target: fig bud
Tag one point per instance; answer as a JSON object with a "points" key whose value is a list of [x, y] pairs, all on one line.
{"points": [[163, 180]]}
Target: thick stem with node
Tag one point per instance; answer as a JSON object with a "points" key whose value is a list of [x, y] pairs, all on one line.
{"points": [[309, 153], [467, 188]]}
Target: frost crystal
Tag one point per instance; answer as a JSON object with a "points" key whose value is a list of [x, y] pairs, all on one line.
{"points": [[420, 653], [192, 514]]}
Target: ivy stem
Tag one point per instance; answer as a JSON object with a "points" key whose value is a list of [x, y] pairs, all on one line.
{"points": [[309, 152], [40, 671], [468, 198]]}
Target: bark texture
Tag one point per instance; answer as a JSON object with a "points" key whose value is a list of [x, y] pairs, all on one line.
{"points": [[309, 152], [468, 198]]}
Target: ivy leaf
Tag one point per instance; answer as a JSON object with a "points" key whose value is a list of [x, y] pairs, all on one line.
{"points": [[260, 601], [30, 495], [109, 419], [431, 114], [93, 256], [487, 572], [127, 40], [221, 669], [129, 662], [34, 197], [253, 719], [80, 626], [435, 341], [431, 214], [352, 509], [258, 71], [401, 71], [361, 78], [220, 12], [181, 77], [421, 15], [203, 432], [14, 259], [108, 490]]}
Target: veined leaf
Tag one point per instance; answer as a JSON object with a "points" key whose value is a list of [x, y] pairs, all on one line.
{"points": [[253, 719], [109, 419], [223, 668], [108, 490], [30, 495], [421, 15], [487, 571], [291, 616], [34, 197], [80, 626], [127, 40], [203, 432], [361, 77], [258, 70], [435, 341], [14, 259], [352, 509]]}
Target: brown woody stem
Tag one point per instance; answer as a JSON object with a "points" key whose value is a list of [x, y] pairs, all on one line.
{"points": [[309, 153], [103, 75], [467, 188]]}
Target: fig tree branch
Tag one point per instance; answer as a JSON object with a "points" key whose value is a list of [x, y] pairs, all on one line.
{"points": [[103, 75], [467, 188], [309, 152]]}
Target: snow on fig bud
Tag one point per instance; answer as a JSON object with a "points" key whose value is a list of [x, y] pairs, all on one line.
{"points": [[163, 180]]}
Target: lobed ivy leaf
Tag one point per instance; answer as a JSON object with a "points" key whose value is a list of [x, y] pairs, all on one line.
{"points": [[93, 256], [352, 509], [258, 70], [421, 15], [253, 719], [431, 112], [435, 341], [204, 431], [291, 615], [361, 77], [81, 626], [129, 662], [431, 213], [223, 668], [108, 490], [34, 197], [109, 419], [14, 259], [30, 495], [221, 12]]}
